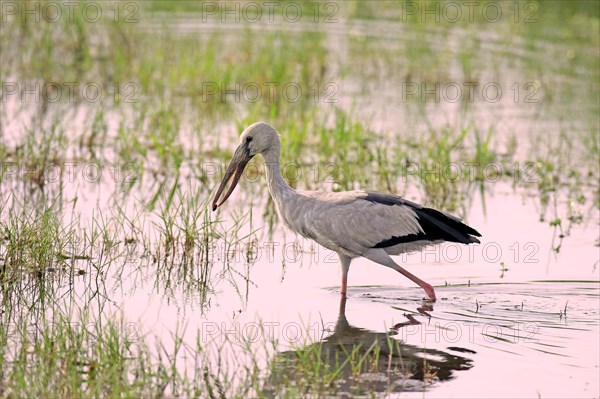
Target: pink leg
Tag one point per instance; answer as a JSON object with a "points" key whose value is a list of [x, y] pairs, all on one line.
{"points": [[426, 287], [342, 305], [345, 267], [379, 255]]}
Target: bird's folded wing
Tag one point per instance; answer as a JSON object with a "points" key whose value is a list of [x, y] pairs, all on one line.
{"points": [[361, 220]]}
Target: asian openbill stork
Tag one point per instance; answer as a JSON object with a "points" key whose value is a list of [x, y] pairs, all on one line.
{"points": [[351, 223]]}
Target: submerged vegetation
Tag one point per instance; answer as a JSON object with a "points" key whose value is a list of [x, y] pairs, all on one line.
{"points": [[114, 133]]}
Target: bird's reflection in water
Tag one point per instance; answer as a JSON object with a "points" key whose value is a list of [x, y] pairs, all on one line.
{"points": [[355, 361]]}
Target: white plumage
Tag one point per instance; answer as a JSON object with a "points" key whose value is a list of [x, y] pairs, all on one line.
{"points": [[352, 223]]}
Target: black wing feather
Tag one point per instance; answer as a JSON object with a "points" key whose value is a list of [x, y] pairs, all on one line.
{"points": [[436, 225]]}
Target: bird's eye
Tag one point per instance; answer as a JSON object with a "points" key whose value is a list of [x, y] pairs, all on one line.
{"points": [[248, 139]]}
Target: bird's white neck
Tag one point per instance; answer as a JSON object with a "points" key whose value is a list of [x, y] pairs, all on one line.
{"points": [[277, 184]]}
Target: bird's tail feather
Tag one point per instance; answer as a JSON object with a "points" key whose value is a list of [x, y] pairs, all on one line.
{"points": [[437, 225]]}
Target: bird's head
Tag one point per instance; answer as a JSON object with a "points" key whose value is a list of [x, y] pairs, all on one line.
{"points": [[257, 138]]}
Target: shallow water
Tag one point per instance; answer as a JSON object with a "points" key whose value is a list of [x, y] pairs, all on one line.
{"points": [[534, 324], [517, 341]]}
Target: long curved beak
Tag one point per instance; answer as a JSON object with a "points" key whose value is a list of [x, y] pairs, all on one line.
{"points": [[234, 170]]}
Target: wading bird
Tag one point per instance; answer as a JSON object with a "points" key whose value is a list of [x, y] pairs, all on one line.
{"points": [[351, 223]]}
